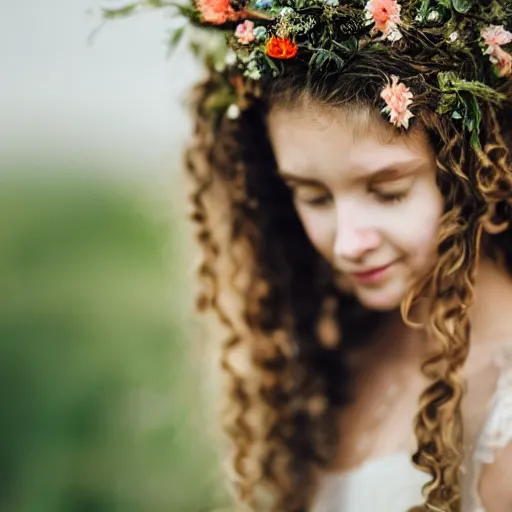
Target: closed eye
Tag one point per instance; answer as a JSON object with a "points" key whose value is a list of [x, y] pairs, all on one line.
{"points": [[391, 198], [311, 195], [392, 192], [316, 201]]}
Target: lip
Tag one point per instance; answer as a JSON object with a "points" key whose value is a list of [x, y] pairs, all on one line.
{"points": [[372, 276]]}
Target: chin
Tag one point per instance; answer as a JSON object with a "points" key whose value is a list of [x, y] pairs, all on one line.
{"points": [[379, 300]]}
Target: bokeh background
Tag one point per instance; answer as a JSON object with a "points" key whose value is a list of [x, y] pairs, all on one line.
{"points": [[79, 92], [108, 382]]}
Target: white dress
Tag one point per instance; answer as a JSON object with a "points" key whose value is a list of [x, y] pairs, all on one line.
{"points": [[392, 484]]}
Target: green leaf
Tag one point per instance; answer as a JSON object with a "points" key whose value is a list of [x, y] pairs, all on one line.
{"points": [[463, 6], [456, 115], [423, 11], [121, 12], [323, 57], [175, 39], [128, 10], [449, 82], [186, 10], [470, 124], [447, 103], [475, 113], [348, 46], [272, 66], [445, 80], [475, 140]]}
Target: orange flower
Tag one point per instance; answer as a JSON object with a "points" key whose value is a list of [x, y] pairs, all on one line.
{"points": [[217, 12], [386, 15], [281, 48]]}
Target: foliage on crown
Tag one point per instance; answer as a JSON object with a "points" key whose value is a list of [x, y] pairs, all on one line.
{"points": [[263, 35]]}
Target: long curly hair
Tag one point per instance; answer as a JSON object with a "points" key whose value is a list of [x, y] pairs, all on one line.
{"points": [[289, 327]]}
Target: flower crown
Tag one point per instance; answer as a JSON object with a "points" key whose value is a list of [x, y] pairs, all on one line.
{"points": [[262, 34]]}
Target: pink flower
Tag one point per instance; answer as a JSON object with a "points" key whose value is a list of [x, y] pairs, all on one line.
{"points": [[385, 14], [398, 97], [215, 11], [502, 60], [244, 32], [494, 37]]}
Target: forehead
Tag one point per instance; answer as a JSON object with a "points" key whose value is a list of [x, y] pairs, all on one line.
{"points": [[345, 141]]}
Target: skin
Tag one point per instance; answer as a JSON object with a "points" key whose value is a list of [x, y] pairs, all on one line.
{"points": [[368, 198], [360, 199]]}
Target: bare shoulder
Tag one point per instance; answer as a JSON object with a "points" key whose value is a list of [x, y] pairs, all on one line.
{"points": [[496, 482], [494, 448]]}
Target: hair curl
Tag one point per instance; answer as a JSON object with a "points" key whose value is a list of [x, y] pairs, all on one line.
{"points": [[289, 320]]}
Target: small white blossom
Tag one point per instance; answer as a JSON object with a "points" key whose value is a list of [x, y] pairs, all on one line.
{"points": [[434, 16], [394, 35], [286, 11], [260, 33], [454, 36], [253, 73], [247, 58], [233, 111], [230, 58]]}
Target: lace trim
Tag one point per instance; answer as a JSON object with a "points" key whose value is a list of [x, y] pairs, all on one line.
{"points": [[497, 429]]}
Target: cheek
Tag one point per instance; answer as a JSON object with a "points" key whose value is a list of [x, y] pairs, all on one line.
{"points": [[420, 227], [320, 227]]}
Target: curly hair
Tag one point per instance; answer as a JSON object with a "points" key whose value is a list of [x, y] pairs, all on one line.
{"points": [[289, 326]]}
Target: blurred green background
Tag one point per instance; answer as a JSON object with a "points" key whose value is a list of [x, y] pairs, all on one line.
{"points": [[104, 394]]}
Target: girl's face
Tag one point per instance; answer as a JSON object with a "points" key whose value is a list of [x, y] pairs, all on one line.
{"points": [[367, 197]]}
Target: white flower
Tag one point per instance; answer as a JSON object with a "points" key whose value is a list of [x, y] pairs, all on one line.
{"points": [[233, 111], [252, 71], [433, 16], [253, 74], [286, 11], [454, 36], [230, 58], [394, 34], [260, 33]]}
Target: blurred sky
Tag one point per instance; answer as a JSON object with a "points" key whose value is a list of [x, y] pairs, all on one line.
{"points": [[114, 102]]}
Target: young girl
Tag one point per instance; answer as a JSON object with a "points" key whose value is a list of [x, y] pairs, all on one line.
{"points": [[353, 196]]}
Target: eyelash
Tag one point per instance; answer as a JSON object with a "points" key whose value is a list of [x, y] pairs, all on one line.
{"points": [[317, 201], [388, 199], [391, 198]]}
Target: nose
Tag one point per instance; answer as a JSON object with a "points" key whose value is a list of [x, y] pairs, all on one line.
{"points": [[356, 236]]}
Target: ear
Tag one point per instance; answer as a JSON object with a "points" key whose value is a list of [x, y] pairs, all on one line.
{"points": [[497, 219]]}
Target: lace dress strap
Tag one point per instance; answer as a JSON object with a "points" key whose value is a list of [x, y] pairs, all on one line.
{"points": [[496, 431]]}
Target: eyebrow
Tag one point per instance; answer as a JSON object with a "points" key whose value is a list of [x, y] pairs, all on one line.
{"points": [[289, 177], [391, 173], [385, 173]]}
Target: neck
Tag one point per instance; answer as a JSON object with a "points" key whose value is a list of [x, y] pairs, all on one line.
{"points": [[399, 341], [489, 316]]}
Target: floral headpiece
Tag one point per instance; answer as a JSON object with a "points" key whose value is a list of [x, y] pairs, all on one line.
{"points": [[262, 34]]}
